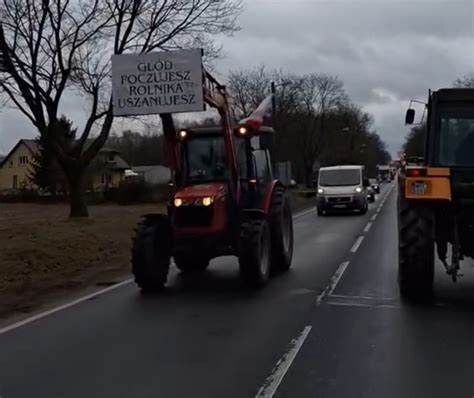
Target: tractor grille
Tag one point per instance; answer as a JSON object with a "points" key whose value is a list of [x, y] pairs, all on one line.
{"points": [[193, 216], [340, 199]]}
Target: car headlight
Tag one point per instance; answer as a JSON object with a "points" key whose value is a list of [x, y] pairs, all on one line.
{"points": [[320, 190], [358, 189], [178, 202], [207, 201]]}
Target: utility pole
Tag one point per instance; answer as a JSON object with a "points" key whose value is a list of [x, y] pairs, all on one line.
{"points": [[2, 57], [273, 89]]}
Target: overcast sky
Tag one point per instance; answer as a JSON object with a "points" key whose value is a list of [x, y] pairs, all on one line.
{"points": [[385, 51]]}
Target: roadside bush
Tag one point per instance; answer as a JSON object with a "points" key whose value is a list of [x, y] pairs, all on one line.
{"points": [[20, 196], [134, 192]]}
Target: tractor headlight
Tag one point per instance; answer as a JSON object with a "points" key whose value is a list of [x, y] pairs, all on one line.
{"points": [[358, 189], [207, 201], [178, 202], [320, 191]]}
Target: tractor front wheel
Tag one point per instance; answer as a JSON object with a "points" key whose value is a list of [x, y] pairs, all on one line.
{"points": [[281, 230], [151, 252], [416, 250], [255, 252]]}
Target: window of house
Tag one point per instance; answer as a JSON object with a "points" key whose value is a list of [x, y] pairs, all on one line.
{"points": [[111, 157], [10, 164], [106, 178], [22, 160], [15, 182]]}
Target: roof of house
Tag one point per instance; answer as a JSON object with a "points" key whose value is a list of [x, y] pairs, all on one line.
{"points": [[118, 164], [30, 144]]}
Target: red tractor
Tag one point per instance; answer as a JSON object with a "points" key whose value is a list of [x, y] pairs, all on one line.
{"points": [[224, 201]]}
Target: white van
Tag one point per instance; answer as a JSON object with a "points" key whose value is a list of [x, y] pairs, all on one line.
{"points": [[342, 187]]}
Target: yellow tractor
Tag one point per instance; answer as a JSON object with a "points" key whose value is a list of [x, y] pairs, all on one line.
{"points": [[436, 198]]}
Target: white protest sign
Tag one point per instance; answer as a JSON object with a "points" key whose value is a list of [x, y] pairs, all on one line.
{"points": [[160, 82]]}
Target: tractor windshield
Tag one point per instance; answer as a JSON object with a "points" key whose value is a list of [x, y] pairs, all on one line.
{"points": [[205, 159], [456, 137]]}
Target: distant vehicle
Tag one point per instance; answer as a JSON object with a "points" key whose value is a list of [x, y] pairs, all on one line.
{"points": [[375, 185], [383, 172], [342, 187], [370, 194]]}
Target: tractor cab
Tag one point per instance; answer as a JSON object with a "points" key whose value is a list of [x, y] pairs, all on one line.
{"points": [[204, 163], [436, 198]]}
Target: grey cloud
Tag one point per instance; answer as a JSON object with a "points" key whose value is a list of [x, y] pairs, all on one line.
{"points": [[385, 51]]}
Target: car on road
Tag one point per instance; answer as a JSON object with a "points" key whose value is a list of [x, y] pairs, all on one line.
{"points": [[342, 188], [370, 194], [375, 185]]}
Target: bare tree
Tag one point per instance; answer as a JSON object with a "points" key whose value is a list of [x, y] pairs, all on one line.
{"points": [[249, 88], [466, 81], [320, 94], [51, 47]]}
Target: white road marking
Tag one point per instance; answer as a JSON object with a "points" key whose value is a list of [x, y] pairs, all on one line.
{"points": [[373, 218], [357, 244], [63, 307], [332, 283], [343, 296], [89, 296], [298, 215], [337, 276], [346, 304], [367, 227], [272, 383]]}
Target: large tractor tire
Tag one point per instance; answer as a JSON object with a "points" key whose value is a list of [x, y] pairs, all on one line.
{"points": [[151, 252], [255, 252], [189, 263], [415, 250], [281, 231]]}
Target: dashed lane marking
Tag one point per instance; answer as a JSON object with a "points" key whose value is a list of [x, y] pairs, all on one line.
{"points": [[357, 244], [367, 227], [373, 218]]}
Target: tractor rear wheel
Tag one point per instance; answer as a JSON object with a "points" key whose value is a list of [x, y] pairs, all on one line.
{"points": [[191, 263], [415, 250], [151, 252], [281, 230], [255, 252]]}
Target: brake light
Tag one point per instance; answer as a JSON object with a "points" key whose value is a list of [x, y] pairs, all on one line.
{"points": [[416, 172]]}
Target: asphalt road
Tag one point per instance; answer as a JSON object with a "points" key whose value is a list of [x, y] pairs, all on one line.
{"points": [[333, 326]]}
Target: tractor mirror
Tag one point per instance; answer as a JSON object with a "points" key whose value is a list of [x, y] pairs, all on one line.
{"points": [[410, 116]]}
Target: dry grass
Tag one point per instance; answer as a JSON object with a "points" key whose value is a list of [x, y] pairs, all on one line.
{"points": [[42, 252], [45, 256]]}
